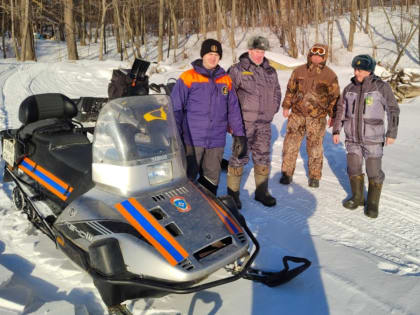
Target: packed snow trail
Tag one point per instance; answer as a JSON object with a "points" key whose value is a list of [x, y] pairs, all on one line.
{"points": [[351, 254]]}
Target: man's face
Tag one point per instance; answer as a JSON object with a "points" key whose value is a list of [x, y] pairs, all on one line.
{"points": [[210, 60], [256, 55], [361, 74], [316, 59]]}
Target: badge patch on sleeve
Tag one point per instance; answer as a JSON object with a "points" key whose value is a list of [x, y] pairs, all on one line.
{"points": [[225, 90], [180, 204]]}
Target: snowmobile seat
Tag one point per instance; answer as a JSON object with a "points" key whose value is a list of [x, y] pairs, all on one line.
{"points": [[44, 106], [52, 139]]}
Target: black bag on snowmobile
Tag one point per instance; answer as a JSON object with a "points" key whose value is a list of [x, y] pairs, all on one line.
{"points": [[129, 82]]}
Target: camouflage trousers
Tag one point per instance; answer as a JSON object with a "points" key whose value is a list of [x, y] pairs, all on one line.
{"points": [[259, 143], [297, 127]]}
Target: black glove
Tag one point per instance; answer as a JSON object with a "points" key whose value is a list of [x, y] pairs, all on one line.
{"points": [[239, 147]]}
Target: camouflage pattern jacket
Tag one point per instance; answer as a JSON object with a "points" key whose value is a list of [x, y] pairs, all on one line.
{"points": [[312, 91], [362, 109]]}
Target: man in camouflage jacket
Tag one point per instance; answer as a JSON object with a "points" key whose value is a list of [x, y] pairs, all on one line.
{"points": [[361, 110], [311, 95]]}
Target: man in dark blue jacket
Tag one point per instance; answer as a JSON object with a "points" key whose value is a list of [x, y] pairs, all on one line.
{"points": [[205, 104]]}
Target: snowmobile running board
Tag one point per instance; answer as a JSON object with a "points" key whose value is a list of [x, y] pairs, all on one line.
{"points": [[270, 279]]}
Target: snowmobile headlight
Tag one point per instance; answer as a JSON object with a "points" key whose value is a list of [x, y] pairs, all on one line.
{"points": [[159, 173]]}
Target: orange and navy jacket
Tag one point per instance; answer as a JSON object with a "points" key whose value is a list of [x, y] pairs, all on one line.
{"points": [[205, 105]]}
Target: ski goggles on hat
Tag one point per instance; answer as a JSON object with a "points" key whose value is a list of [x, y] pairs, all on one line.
{"points": [[318, 51]]}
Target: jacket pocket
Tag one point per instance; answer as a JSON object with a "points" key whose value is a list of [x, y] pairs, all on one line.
{"points": [[373, 129], [347, 128]]}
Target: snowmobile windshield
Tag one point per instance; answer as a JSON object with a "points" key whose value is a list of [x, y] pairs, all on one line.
{"points": [[135, 130]]}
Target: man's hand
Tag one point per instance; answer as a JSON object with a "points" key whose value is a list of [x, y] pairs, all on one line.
{"points": [[330, 122], [389, 141], [239, 148], [286, 112], [336, 139]]}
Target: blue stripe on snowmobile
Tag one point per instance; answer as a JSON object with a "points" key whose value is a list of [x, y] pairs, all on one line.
{"points": [[47, 179], [152, 230], [228, 221]]}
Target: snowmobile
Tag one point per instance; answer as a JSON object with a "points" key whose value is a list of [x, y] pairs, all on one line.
{"points": [[116, 200]]}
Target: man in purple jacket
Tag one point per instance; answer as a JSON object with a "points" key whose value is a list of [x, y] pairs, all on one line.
{"points": [[205, 104], [361, 110]]}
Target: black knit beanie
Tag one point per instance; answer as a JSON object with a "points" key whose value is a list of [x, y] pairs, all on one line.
{"points": [[364, 62], [211, 45]]}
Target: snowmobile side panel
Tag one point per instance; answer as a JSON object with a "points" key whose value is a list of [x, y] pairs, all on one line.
{"points": [[55, 185]]}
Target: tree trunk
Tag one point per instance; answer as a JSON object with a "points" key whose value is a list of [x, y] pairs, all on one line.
{"points": [[352, 25], [203, 20], [69, 30], [27, 44], [117, 26], [367, 26], [83, 24], [231, 39], [160, 42], [317, 5], [175, 26], [102, 27], [14, 40]]}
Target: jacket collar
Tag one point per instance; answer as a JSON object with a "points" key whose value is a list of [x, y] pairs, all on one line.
{"points": [[367, 80], [246, 62], [215, 73]]}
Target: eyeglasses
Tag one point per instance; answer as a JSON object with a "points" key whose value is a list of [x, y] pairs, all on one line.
{"points": [[318, 51]]}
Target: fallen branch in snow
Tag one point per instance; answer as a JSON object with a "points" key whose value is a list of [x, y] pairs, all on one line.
{"points": [[404, 83]]}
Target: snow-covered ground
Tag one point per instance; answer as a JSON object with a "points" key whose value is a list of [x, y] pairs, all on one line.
{"points": [[359, 265]]}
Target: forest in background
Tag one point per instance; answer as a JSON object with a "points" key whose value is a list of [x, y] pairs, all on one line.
{"points": [[132, 23]]}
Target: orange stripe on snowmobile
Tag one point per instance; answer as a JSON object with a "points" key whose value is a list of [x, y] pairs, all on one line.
{"points": [[152, 231], [48, 177], [224, 217], [52, 176]]}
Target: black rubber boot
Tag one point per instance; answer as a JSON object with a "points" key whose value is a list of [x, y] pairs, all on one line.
{"points": [[357, 184], [234, 177], [285, 179], [235, 196], [261, 183], [314, 183], [212, 188], [372, 204]]}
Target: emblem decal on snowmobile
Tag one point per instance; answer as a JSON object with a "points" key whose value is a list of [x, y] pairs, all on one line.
{"points": [[59, 188], [152, 231], [152, 115], [180, 204]]}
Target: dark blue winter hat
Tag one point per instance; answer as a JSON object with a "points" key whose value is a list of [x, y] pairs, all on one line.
{"points": [[364, 62], [211, 45]]}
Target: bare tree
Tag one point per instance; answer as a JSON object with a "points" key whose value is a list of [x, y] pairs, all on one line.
{"points": [[160, 42], [69, 30], [352, 25], [402, 39], [27, 40]]}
